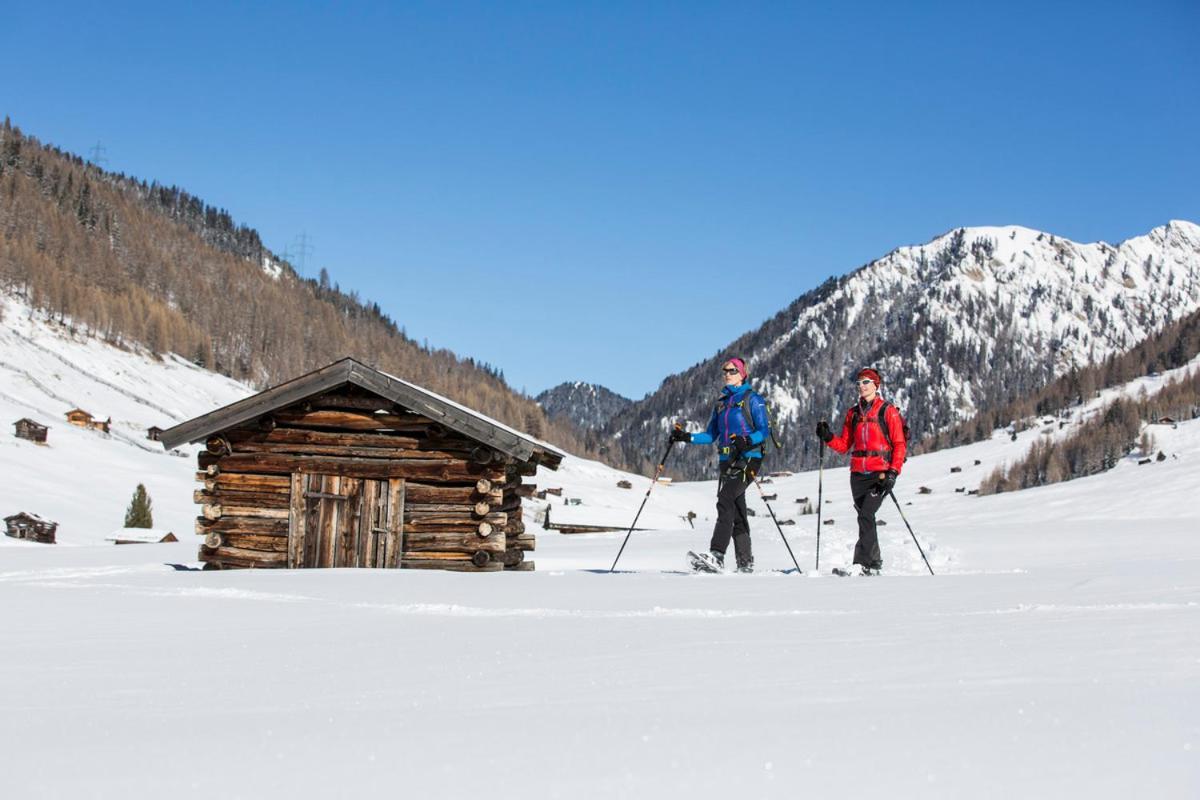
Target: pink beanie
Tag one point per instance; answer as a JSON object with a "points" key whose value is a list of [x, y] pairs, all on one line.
{"points": [[740, 366]]}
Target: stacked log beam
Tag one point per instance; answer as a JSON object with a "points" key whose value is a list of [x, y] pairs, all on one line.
{"points": [[462, 500]]}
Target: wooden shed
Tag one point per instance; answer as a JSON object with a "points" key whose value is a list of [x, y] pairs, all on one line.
{"points": [[83, 419], [30, 526], [348, 466], [77, 416], [154, 433], [30, 429], [141, 536]]}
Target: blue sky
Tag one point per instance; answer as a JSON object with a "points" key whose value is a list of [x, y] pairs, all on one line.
{"points": [[648, 180]]}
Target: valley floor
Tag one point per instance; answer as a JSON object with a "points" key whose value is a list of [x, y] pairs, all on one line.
{"points": [[1054, 655]]}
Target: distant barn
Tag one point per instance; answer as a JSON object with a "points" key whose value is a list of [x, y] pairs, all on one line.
{"points": [[77, 416], [30, 526], [154, 433], [348, 466], [31, 429], [141, 536], [84, 419]]}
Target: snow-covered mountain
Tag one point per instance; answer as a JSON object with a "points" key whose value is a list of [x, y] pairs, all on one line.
{"points": [[586, 404], [971, 319]]}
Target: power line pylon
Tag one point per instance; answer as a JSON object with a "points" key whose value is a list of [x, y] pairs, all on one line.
{"points": [[99, 154], [298, 252]]}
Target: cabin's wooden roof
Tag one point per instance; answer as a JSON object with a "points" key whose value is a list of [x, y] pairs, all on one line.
{"points": [[33, 422], [78, 411], [349, 371]]}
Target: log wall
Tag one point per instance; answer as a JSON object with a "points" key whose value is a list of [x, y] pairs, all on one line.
{"points": [[462, 499]]}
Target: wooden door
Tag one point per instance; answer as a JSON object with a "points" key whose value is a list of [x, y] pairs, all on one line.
{"points": [[336, 521]]}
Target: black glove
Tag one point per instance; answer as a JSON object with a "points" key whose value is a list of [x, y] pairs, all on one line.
{"points": [[887, 481], [678, 434], [738, 444], [823, 432]]}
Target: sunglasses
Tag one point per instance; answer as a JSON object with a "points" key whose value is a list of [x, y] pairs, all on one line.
{"points": [[865, 381], [728, 371]]}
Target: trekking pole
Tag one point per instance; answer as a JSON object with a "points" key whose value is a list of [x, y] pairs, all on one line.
{"points": [[661, 463], [910, 531], [820, 487], [778, 527]]}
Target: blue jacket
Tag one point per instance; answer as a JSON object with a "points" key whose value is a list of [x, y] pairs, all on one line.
{"points": [[728, 419]]}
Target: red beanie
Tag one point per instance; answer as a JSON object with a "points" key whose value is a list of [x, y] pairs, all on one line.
{"points": [[867, 372]]}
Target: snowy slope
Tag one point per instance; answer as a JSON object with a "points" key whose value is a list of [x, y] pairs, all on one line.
{"points": [[84, 479], [1053, 655]]}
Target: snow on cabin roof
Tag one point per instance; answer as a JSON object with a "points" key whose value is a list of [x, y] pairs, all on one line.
{"points": [[149, 535], [30, 517], [454, 416]]}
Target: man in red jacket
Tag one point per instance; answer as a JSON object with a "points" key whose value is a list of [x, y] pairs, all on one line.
{"points": [[873, 434]]}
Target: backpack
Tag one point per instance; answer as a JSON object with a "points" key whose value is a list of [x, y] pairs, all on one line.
{"points": [[745, 407], [880, 419]]}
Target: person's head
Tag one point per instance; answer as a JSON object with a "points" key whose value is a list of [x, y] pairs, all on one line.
{"points": [[734, 371], [868, 382]]}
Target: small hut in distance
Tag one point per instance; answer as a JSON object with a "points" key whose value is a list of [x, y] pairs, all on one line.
{"points": [[83, 419], [140, 536], [348, 466], [24, 525], [32, 430]]}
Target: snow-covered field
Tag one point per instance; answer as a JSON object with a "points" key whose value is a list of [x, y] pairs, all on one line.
{"points": [[1055, 654]]}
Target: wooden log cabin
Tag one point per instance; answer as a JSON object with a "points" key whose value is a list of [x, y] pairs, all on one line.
{"points": [[30, 429], [24, 525], [84, 419], [348, 466]]}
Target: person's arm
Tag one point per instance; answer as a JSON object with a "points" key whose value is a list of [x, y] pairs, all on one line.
{"points": [[841, 442], [709, 435], [896, 432]]}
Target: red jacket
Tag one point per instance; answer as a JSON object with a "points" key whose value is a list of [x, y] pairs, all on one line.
{"points": [[869, 450]]}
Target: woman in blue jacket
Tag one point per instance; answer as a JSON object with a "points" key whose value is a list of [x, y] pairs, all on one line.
{"points": [[738, 426]]}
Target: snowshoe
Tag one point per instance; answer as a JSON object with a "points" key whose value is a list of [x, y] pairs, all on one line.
{"points": [[746, 567], [713, 563], [855, 571]]}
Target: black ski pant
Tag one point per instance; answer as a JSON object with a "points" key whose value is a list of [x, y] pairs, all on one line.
{"points": [[868, 497], [732, 520]]}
